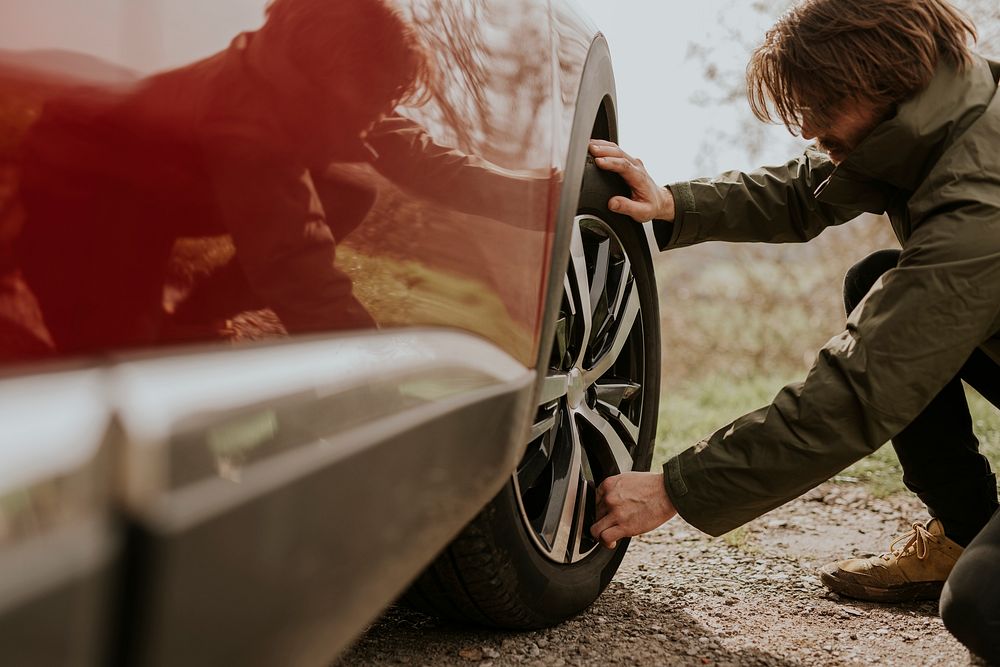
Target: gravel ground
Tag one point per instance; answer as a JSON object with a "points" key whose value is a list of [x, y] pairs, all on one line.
{"points": [[683, 598]]}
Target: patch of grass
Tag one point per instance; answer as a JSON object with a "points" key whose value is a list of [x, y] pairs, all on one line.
{"points": [[694, 409], [737, 538], [986, 421]]}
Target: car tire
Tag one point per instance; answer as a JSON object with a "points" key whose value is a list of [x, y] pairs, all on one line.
{"points": [[514, 566]]}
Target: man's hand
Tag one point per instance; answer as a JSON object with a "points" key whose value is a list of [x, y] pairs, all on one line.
{"points": [[630, 504], [648, 200]]}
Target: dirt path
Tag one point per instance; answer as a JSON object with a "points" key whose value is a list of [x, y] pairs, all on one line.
{"points": [[682, 598]]}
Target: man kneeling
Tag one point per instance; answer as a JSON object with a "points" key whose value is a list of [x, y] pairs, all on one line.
{"points": [[907, 123]]}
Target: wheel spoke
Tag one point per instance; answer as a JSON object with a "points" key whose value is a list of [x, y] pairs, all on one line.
{"points": [[609, 449], [602, 295], [543, 426], [629, 312], [580, 524], [568, 288], [623, 282], [553, 387], [542, 439], [541, 442], [581, 289], [602, 264], [557, 524], [560, 344], [532, 466], [619, 417], [613, 392]]}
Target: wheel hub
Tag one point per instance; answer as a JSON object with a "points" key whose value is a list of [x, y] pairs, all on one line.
{"points": [[576, 390]]}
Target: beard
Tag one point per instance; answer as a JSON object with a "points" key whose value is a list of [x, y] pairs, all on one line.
{"points": [[837, 150]]}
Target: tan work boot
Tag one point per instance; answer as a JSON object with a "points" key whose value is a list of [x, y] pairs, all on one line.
{"points": [[917, 571]]}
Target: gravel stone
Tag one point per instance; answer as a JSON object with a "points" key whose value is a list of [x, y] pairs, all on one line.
{"points": [[471, 654], [683, 598]]}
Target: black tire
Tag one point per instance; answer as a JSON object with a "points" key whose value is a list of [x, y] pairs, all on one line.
{"points": [[495, 573]]}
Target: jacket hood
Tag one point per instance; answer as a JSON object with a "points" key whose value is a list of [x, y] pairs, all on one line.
{"points": [[899, 153]]}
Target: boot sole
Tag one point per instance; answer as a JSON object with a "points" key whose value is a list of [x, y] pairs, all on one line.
{"points": [[924, 590]]}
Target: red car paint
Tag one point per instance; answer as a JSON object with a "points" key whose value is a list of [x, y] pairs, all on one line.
{"points": [[340, 166]]}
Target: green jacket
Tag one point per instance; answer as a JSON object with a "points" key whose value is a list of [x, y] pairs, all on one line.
{"points": [[934, 168]]}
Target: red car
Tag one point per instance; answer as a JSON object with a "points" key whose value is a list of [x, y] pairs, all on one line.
{"points": [[301, 309]]}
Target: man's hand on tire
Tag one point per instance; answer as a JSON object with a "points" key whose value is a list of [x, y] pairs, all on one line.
{"points": [[648, 200], [630, 504]]}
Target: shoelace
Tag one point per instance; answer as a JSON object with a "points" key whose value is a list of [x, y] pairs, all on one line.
{"points": [[917, 538]]}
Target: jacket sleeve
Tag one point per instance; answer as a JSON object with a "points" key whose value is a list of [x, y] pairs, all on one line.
{"points": [[771, 204], [902, 345], [409, 156]]}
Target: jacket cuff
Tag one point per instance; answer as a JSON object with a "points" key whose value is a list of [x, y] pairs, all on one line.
{"points": [[663, 231], [683, 231], [681, 497]]}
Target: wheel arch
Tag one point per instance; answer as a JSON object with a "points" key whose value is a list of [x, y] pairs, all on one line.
{"points": [[595, 116], [494, 573]]}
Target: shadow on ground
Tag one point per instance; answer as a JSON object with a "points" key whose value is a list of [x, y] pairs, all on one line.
{"points": [[622, 628], [683, 598]]}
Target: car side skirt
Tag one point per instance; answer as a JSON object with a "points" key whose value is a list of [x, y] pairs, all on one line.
{"points": [[273, 531]]}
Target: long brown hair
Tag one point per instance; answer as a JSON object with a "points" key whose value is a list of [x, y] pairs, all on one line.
{"points": [[824, 53]]}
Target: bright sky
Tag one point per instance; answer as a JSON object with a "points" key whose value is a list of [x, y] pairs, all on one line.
{"points": [[658, 83]]}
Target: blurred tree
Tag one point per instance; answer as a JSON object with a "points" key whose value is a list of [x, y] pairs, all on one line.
{"points": [[986, 15], [725, 78], [491, 81]]}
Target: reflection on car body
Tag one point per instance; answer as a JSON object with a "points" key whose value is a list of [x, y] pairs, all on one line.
{"points": [[278, 287], [241, 143]]}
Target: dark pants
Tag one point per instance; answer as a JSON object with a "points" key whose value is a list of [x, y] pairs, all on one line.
{"points": [[939, 453], [970, 603]]}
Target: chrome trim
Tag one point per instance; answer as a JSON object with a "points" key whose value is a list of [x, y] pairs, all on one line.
{"points": [[52, 424], [53, 428], [553, 387], [235, 395]]}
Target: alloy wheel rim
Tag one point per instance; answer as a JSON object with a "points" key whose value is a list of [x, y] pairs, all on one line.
{"points": [[590, 407]]}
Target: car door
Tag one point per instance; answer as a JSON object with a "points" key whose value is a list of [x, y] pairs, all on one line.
{"points": [[279, 496], [214, 223]]}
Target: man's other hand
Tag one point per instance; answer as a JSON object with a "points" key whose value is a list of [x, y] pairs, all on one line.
{"points": [[630, 504], [648, 199]]}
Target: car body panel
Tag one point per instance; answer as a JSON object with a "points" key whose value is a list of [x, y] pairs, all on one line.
{"points": [[140, 148], [62, 610], [278, 508], [310, 476], [59, 549], [274, 470], [584, 87]]}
